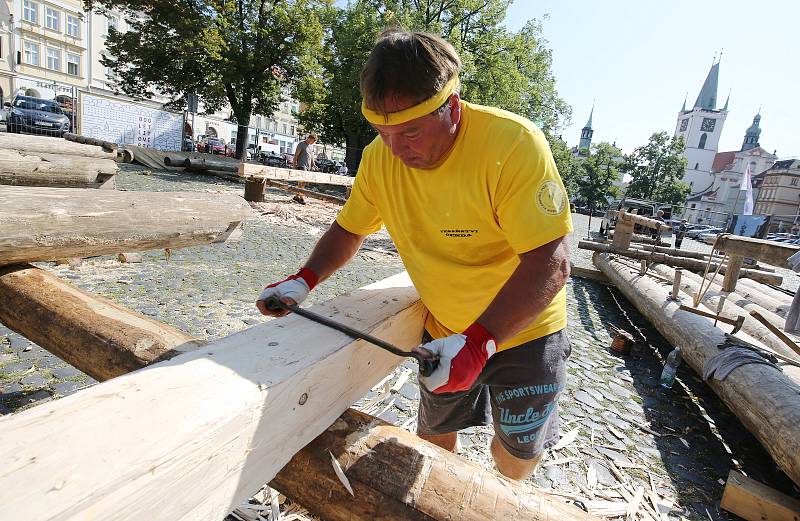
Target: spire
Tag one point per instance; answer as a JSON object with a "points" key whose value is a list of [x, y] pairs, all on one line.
{"points": [[707, 99], [727, 100], [683, 109], [753, 133], [589, 123]]}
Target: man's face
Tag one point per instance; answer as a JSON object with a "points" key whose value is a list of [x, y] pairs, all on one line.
{"points": [[422, 142]]}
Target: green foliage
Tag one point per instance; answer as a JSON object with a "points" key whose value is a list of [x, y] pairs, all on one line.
{"points": [[656, 170], [239, 52], [599, 173], [568, 165], [504, 69]]}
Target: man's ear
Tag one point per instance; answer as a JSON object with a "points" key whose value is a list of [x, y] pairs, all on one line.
{"points": [[455, 108]]}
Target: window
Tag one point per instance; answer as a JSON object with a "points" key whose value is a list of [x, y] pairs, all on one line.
{"points": [[73, 26], [31, 53], [702, 141], [53, 59], [794, 181], [697, 166], [292, 134], [73, 64], [52, 19], [283, 126], [30, 11], [112, 22]]}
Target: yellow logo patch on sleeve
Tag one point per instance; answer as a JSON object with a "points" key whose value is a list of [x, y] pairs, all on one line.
{"points": [[550, 198]]}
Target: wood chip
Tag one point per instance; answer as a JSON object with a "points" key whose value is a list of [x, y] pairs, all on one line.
{"points": [[591, 476], [567, 439], [686, 443], [340, 474], [633, 509], [402, 379]]}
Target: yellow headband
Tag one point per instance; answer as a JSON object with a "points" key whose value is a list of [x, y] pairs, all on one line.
{"points": [[417, 111]]}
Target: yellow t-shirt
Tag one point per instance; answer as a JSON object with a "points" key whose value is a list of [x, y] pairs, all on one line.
{"points": [[459, 227]]}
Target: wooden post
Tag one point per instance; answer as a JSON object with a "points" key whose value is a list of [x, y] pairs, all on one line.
{"points": [[642, 267], [106, 222], [676, 285], [753, 501], [762, 250], [254, 188], [623, 231], [732, 273]]}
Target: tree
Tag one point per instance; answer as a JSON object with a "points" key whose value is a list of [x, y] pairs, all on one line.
{"points": [[656, 170], [239, 52], [599, 173], [569, 167], [501, 68]]}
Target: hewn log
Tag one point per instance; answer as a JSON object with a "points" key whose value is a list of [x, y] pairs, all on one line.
{"points": [[754, 501], [731, 309], [90, 332], [588, 273], [677, 252], [303, 191], [285, 174], [176, 161], [52, 145], [192, 437], [130, 257], [770, 298], [732, 273], [106, 145], [210, 163], [25, 169], [39, 224], [396, 475], [681, 262], [763, 398], [770, 252], [632, 218]]}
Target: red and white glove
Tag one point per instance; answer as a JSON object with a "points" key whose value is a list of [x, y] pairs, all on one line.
{"points": [[461, 359], [295, 287]]}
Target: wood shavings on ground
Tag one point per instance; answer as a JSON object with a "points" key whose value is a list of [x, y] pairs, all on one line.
{"points": [[337, 468]]}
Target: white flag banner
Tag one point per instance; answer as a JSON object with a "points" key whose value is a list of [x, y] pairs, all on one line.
{"points": [[748, 186]]}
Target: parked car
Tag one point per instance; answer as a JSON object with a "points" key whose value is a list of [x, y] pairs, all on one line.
{"points": [[703, 228], [214, 145], [708, 237], [326, 165], [273, 159], [36, 115]]}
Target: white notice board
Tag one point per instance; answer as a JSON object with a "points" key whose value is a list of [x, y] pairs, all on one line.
{"points": [[127, 123]]}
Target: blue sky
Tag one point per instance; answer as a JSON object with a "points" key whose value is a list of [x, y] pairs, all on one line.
{"points": [[639, 58]]}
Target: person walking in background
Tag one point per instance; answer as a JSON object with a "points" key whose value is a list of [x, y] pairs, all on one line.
{"points": [[304, 160], [681, 233]]}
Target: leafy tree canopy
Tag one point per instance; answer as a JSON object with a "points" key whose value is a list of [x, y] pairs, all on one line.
{"points": [[657, 169], [501, 68], [239, 52], [599, 173]]}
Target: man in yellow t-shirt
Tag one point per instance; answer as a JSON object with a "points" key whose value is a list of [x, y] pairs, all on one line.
{"points": [[473, 201]]}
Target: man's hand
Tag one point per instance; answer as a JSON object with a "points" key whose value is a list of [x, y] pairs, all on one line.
{"points": [[461, 359], [292, 290]]}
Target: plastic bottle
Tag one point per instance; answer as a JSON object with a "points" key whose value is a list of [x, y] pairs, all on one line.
{"points": [[670, 368]]}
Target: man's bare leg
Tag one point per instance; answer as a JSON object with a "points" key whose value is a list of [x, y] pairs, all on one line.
{"points": [[447, 441], [511, 466]]}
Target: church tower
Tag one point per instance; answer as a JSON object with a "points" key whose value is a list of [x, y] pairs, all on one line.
{"points": [[701, 128], [752, 134], [586, 135]]}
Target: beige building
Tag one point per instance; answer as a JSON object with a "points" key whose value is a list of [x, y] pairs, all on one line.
{"points": [[6, 49], [779, 195], [50, 41]]}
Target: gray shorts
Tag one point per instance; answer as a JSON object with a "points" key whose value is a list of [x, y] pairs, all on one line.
{"points": [[518, 391]]}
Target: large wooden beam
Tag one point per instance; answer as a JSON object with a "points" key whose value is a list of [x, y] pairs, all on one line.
{"points": [[67, 320], [90, 332], [192, 437], [23, 169], [632, 218], [681, 262], [286, 174], [763, 398], [52, 145], [40, 224], [396, 475], [771, 252], [754, 501]]}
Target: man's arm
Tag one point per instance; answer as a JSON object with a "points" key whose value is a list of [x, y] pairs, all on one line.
{"points": [[334, 249], [539, 277]]}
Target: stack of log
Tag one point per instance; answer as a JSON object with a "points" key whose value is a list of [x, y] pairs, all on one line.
{"points": [[258, 177], [56, 162]]}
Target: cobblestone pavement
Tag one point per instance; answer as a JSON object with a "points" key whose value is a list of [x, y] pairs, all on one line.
{"points": [[678, 445]]}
